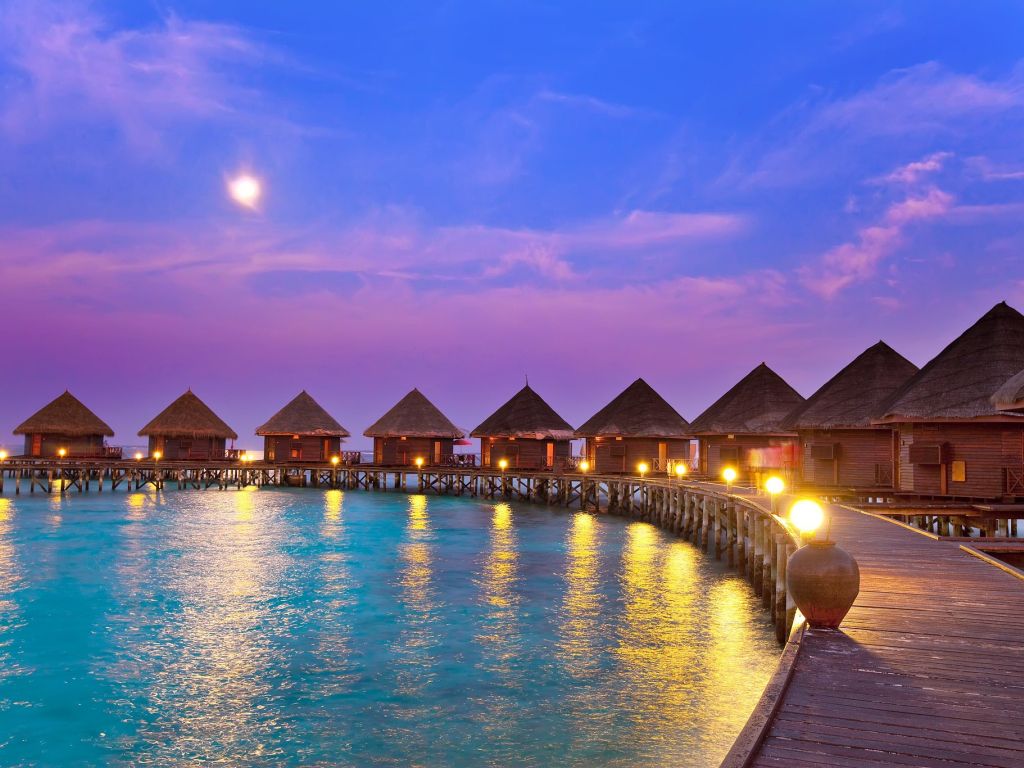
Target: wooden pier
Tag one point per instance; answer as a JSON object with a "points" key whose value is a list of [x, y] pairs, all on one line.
{"points": [[928, 669], [926, 672]]}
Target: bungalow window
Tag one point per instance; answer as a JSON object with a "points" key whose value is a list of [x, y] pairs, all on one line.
{"points": [[729, 454], [297, 452], [958, 471]]}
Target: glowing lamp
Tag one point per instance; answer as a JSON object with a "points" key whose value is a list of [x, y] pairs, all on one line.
{"points": [[503, 464], [419, 463], [157, 455], [335, 460], [584, 466], [138, 455], [680, 470], [642, 468], [62, 452], [806, 516], [729, 475], [774, 485], [3, 455]]}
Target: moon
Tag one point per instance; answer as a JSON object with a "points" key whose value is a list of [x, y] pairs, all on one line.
{"points": [[245, 190]]}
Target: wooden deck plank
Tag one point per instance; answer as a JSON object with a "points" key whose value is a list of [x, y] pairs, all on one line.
{"points": [[927, 670]]}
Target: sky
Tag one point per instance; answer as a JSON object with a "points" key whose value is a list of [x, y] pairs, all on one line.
{"points": [[458, 195]]}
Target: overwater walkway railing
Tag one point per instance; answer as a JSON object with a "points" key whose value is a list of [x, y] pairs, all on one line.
{"points": [[733, 527]]}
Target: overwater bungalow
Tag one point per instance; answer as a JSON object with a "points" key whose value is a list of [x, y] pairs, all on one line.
{"points": [[413, 429], [839, 445], [637, 427], [954, 440], [743, 428], [65, 424], [526, 433], [187, 430], [302, 431]]}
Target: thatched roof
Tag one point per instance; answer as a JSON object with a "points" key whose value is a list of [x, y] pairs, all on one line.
{"points": [[1010, 396], [64, 416], [526, 415], [960, 381], [756, 405], [414, 416], [303, 416], [638, 411], [852, 397], [188, 416]]}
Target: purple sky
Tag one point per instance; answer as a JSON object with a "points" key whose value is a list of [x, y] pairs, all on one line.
{"points": [[458, 195]]}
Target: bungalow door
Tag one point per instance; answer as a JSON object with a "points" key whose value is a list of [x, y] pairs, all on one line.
{"points": [[662, 457], [437, 452], [37, 445], [549, 460]]}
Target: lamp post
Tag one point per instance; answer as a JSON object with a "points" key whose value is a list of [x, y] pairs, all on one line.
{"points": [[823, 579], [502, 464], [3, 456], [774, 485], [138, 455], [729, 475], [642, 468], [62, 452], [680, 470], [335, 460]]}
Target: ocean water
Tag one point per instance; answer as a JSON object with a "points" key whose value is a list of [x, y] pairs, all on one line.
{"points": [[315, 628]]}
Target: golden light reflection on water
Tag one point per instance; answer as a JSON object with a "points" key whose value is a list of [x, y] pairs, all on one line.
{"points": [[498, 582], [10, 577], [582, 602], [207, 691]]}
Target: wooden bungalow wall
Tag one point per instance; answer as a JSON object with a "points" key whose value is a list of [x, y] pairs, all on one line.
{"points": [[522, 453], [79, 446], [611, 455], [285, 448], [864, 458], [393, 451], [189, 449], [711, 453], [993, 455]]}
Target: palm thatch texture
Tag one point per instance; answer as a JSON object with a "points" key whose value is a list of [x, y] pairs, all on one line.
{"points": [[188, 416], [64, 416], [414, 416], [757, 404], [526, 415], [852, 397], [305, 417], [1010, 396], [638, 411], [959, 382]]}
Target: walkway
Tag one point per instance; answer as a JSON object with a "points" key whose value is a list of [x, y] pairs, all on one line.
{"points": [[929, 669]]}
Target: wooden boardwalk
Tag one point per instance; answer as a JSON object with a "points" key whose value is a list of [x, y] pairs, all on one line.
{"points": [[929, 668]]}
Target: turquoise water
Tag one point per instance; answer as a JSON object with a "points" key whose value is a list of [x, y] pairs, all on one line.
{"points": [[320, 628]]}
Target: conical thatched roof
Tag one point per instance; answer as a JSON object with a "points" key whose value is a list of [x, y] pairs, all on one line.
{"points": [[756, 405], [526, 416], [1010, 396], [960, 381], [414, 416], [303, 416], [64, 416], [638, 411], [852, 397], [188, 416]]}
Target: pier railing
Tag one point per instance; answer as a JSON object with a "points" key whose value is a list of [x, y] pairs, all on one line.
{"points": [[738, 528]]}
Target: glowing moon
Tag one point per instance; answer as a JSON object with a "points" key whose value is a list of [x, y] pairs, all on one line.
{"points": [[245, 190]]}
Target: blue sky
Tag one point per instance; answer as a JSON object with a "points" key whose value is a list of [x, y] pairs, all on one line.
{"points": [[459, 194]]}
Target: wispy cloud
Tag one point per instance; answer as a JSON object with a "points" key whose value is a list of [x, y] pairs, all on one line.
{"points": [[393, 244], [923, 104], [858, 260], [589, 103], [71, 65], [913, 172]]}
